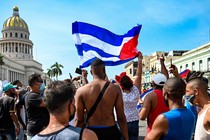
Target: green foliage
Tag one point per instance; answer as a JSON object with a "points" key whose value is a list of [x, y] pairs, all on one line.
{"points": [[55, 70], [1, 59]]}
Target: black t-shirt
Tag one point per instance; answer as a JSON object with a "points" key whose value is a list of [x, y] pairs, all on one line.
{"points": [[7, 105], [38, 117]]}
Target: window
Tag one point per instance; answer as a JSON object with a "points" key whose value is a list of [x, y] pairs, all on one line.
{"points": [[16, 49], [16, 35], [21, 35], [25, 36], [180, 68], [200, 65], [186, 66], [208, 65], [10, 34], [130, 71], [16, 45], [193, 65], [6, 35]]}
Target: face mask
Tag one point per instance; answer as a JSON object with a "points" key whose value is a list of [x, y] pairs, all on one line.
{"points": [[72, 115], [42, 87], [189, 98]]}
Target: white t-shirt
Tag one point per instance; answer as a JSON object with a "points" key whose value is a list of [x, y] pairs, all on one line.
{"points": [[130, 101], [200, 131]]}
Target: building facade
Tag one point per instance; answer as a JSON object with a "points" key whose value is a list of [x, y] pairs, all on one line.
{"points": [[17, 50], [197, 59]]}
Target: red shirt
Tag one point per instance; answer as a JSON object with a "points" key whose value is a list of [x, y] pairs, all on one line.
{"points": [[160, 108]]}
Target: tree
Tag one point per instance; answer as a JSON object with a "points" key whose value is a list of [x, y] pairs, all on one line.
{"points": [[56, 70], [1, 63], [49, 73]]}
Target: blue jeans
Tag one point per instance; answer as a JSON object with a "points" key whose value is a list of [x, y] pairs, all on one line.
{"points": [[133, 130], [9, 134]]}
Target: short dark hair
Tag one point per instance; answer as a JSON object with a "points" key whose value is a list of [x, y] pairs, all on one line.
{"points": [[98, 68], [97, 62], [33, 78], [57, 95], [176, 86], [15, 82], [157, 86]]}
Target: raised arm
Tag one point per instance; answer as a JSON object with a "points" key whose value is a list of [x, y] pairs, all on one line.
{"points": [[137, 81], [84, 77], [163, 67], [173, 69]]}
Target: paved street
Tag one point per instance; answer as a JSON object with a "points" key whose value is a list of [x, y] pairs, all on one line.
{"points": [[142, 129]]}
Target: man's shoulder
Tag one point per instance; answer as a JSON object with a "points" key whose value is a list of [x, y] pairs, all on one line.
{"points": [[6, 99], [32, 94], [69, 132], [161, 119], [151, 96]]}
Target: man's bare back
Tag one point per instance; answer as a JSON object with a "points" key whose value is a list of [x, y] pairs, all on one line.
{"points": [[103, 114]]}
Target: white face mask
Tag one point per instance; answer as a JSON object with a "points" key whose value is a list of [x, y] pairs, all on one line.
{"points": [[189, 98]]}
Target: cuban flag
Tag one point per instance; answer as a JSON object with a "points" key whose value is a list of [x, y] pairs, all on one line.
{"points": [[184, 73], [92, 41], [143, 95]]}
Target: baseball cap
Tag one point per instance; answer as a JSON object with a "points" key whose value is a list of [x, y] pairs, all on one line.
{"points": [[159, 79], [8, 86]]}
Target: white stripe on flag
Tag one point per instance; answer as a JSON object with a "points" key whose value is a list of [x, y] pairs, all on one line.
{"points": [[92, 54], [95, 42]]}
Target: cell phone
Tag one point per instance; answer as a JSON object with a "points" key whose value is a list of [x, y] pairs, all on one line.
{"points": [[171, 61], [78, 71]]}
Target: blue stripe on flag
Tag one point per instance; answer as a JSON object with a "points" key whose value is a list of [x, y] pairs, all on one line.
{"points": [[146, 92], [103, 34], [107, 63]]}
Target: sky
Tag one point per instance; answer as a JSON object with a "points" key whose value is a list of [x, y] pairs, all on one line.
{"points": [[166, 25]]}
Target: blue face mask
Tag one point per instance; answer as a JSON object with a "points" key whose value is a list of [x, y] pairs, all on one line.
{"points": [[42, 87], [189, 98]]}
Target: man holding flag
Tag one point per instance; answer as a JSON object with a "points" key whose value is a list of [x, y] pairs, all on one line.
{"points": [[99, 47]]}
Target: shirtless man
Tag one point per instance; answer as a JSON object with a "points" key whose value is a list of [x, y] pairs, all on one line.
{"points": [[197, 94], [102, 121]]}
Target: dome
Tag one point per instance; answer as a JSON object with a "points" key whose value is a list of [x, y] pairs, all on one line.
{"points": [[15, 21]]}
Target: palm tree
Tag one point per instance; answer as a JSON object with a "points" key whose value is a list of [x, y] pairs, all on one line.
{"points": [[1, 63], [56, 69], [50, 73]]}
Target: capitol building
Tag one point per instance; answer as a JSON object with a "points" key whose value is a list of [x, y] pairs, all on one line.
{"points": [[17, 50]]}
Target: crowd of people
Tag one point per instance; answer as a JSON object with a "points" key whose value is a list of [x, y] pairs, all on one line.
{"points": [[103, 109]]}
